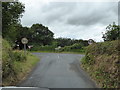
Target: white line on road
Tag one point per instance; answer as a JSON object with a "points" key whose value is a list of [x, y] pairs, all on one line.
{"points": [[58, 57]]}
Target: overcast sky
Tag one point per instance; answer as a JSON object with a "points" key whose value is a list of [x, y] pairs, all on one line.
{"points": [[76, 20]]}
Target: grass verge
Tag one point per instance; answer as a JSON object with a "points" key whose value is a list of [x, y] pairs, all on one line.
{"points": [[15, 64], [20, 70]]}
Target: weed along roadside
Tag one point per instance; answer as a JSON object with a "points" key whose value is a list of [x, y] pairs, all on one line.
{"points": [[15, 65], [102, 63]]}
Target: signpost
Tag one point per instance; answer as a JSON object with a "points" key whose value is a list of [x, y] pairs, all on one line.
{"points": [[24, 41], [90, 41]]}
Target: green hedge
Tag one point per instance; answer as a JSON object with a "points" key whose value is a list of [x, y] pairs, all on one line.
{"points": [[102, 62], [108, 47], [15, 64], [77, 47], [73, 48], [43, 48]]}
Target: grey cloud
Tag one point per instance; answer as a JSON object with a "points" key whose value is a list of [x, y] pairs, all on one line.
{"points": [[85, 20], [94, 14], [58, 11], [80, 13], [58, 5]]}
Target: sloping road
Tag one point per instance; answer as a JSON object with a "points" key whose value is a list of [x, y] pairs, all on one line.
{"points": [[57, 70]]}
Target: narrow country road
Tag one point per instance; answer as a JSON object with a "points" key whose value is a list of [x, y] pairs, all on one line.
{"points": [[57, 70]]}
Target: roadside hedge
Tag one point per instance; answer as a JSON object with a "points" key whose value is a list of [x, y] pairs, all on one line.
{"points": [[15, 64], [102, 62]]}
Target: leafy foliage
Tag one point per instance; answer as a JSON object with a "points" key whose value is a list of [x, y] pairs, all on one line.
{"points": [[19, 56], [13, 31], [68, 42], [15, 64], [12, 11], [101, 61], [77, 47], [41, 34], [113, 33], [48, 48], [8, 57]]}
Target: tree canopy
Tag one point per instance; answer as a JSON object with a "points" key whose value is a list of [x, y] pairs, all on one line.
{"points": [[41, 34], [113, 32], [68, 42], [11, 13]]}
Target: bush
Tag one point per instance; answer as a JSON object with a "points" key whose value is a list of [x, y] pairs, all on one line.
{"points": [[108, 47], [113, 33], [101, 61], [19, 56], [8, 59], [43, 48], [77, 47]]}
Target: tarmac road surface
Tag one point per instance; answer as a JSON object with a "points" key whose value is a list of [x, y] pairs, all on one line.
{"points": [[57, 70]]}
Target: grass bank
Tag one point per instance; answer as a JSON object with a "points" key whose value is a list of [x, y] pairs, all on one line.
{"points": [[102, 62], [15, 65]]}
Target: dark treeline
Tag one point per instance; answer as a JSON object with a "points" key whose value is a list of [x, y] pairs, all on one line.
{"points": [[36, 34], [68, 42]]}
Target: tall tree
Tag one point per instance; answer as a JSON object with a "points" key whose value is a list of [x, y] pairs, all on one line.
{"points": [[113, 32], [41, 34], [11, 13]]}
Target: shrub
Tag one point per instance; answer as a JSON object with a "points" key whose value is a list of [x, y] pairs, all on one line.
{"points": [[77, 47], [43, 48], [102, 62], [113, 33], [108, 47], [8, 59], [19, 56]]}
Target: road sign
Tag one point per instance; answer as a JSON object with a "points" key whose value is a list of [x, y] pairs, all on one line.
{"points": [[90, 41], [24, 40]]}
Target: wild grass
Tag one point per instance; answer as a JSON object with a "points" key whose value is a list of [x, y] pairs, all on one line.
{"points": [[15, 64]]}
